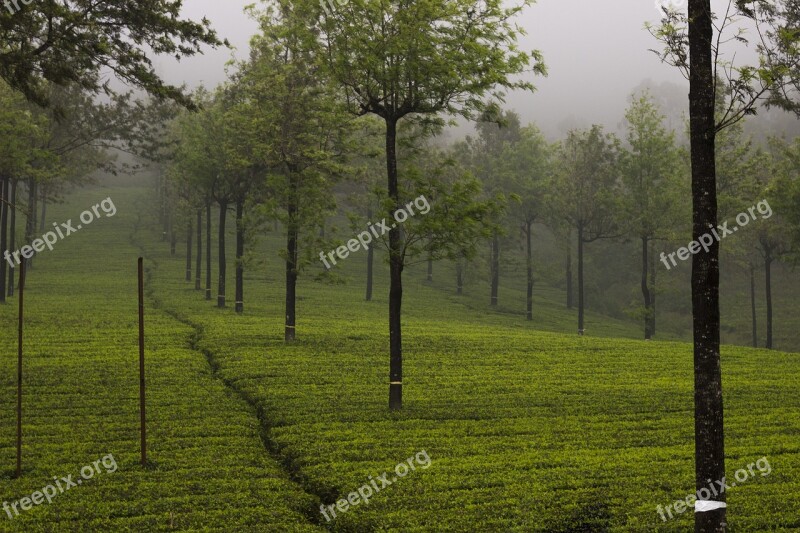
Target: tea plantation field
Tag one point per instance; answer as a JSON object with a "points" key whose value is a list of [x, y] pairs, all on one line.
{"points": [[526, 430]]}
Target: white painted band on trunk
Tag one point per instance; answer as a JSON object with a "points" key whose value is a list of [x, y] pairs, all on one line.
{"points": [[702, 506]]}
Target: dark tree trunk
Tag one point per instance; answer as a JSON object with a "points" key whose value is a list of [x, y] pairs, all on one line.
{"points": [[223, 212], [30, 223], [239, 305], [4, 209], [460, 277], [648, 302], [709, 435], [165, 210], [189, 239], [12, 240], [290, 327], [581, 302], [768, 278], [495, 268], [529, 306], [570, 303], [208, 251], [370, 264], [43, 219], [430, 269], [199, 259], [395, 276], [653, 268], [753, 305], [173, 236]]}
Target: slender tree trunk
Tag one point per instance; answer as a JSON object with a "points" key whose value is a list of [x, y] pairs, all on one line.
{"points": [[768, 277], [495, 268], [189, 239], [223, 212], [430, 269], [162, 210], [239, 305], [370, 264], [581, 301], [653, 268], [165, 209], [460, 277], [4, 209], [528, 230], [395, 276], [709, 432], [12, 241], [648, 304], [208, 251], [199, 259], [290, 327], [43, 219], [30, 223], [753, 305], [570, 303], [173, 238]]}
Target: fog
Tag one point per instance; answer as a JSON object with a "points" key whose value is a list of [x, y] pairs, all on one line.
{"points": [[596, 54]]}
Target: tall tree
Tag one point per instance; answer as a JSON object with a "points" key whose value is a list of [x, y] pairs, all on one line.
{"points": [[400, 58], [201, 159], [650, 169], [527, 167], [585, 191], [298, 128], [690, 44], [497, 132]]}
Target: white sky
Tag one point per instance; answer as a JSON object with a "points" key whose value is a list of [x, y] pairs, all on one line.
{"points": [[596, 52]]}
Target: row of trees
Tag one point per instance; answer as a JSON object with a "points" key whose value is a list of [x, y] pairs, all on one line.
{"points": [[593, 185], [290, 134], [274, 141], [48, 150]]}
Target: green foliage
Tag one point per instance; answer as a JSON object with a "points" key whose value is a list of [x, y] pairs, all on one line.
{"points": [[586, 182], [653, 182], [742, 88], [295, 125], [425, 57], [79, 42], [527, 166]]}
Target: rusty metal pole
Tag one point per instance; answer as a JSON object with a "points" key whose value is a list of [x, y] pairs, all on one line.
{"points": [[141, 363], [19, 367]]}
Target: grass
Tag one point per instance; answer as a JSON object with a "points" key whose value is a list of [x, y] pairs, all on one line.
{"points": [[209, 469], [527, 430]]}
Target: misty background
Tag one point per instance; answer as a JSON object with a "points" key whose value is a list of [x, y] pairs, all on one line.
{"points": [[581, 41]]}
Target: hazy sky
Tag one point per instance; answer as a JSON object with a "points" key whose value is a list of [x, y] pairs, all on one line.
{"points": [[596, 52]]}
